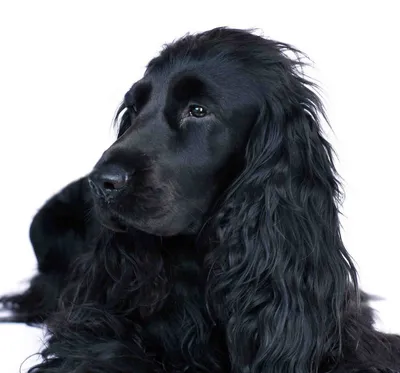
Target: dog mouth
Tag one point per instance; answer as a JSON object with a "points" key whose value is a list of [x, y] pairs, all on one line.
{"points": [[110, 220], [159, 221], [113, 223]]}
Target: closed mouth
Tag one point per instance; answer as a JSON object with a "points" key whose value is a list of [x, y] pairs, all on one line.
{"points": [[110, 220], [115, 224]]}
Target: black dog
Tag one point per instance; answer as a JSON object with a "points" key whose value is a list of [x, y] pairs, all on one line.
{"points": [[207, 238]]}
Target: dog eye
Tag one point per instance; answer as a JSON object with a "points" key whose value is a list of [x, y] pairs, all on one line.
{"points": [[197, 111]]}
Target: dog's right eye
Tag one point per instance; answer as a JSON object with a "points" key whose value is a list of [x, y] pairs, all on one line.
{"points": [[197, 111]]}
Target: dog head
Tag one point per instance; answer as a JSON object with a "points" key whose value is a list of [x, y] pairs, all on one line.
{"points": [[182, 133]]}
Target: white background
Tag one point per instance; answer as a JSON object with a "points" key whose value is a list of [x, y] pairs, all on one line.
{"points": [[65, 65]]}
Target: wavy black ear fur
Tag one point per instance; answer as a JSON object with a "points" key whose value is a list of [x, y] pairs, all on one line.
{"points": [[59, 233], [280, 278]]}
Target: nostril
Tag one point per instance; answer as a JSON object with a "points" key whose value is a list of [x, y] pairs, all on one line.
{"points": [[114, 181], [108, 185]]}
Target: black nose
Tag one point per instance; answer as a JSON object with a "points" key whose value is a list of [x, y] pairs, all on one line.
{"points": [[108, 180]]}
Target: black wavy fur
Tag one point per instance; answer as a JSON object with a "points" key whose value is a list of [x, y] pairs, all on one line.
{"points": [[263, 284]]}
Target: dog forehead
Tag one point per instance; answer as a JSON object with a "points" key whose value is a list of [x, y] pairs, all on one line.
{"points": [[218, 78]]}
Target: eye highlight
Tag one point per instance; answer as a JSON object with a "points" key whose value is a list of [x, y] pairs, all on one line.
{"points": [[197, 111]]}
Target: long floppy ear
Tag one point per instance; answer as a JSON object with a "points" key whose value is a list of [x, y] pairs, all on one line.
{"points": [[280, 278]]}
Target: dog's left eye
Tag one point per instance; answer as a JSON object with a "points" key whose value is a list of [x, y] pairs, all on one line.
{"points": [[197, 111]]}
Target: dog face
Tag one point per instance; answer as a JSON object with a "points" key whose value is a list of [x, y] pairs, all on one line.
{"points": [[182, 130]]}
